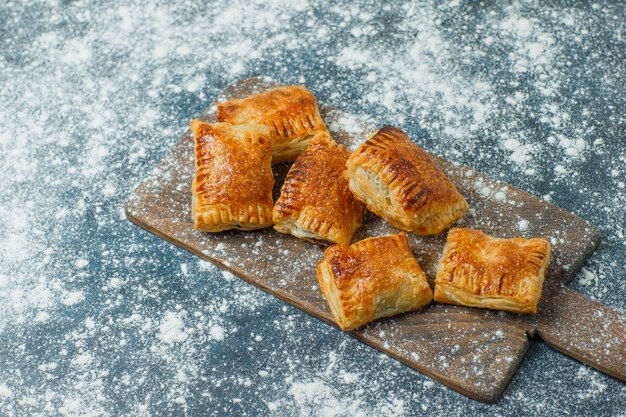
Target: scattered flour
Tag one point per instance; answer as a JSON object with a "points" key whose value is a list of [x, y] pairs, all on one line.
{"points": [[587, 278], [73, 297], [596, 386], [115, 283], [317, 398], [89, 323], [172, 328], [81, 263], [348, 123], [217, 332], [228, 276], [522, 225], [5, 392], [94, 94], [42, 316]]}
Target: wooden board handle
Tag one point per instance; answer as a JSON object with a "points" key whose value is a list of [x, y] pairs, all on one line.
{"points": [[586, 330]]}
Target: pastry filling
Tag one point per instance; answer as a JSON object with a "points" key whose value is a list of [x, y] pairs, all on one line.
{"points": [[289, 150]]}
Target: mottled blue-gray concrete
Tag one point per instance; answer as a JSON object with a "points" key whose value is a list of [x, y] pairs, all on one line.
{"points": [[98, 317]]}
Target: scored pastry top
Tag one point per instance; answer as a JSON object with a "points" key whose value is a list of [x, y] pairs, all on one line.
{"points": [[399, 182], [483, 271], [315, 199], [290, 111], [373, 278], [233, 182]]}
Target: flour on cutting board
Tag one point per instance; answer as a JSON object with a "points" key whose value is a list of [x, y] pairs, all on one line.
{"points": [[98, 318]]}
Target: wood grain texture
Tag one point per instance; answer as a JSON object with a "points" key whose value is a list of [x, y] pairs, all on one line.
{"points": [[584, 329], [473, 351]]}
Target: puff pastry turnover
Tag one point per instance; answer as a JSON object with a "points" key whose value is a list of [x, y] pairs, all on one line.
{"points": [[232, 186], [399, 182], [315, 202], [290, 111], [373, 278], [477, 270]]}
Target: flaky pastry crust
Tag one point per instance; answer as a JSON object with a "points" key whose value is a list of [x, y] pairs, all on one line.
{"points": [[315, 202], [373, 278], [478, 270], [398, 181], [290, 111], [232, 185]]}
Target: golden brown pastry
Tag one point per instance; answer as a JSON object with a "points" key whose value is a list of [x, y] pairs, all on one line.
{"points": [[232, 186], [315, 202], [291, 112], [373, 278], [478, 270], [399, 182]]}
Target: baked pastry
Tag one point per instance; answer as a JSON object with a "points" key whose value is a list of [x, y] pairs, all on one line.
{"points": [[478, 270], [373, 278], [291, 112], [232, 186], [399, 182], [315, 202]]}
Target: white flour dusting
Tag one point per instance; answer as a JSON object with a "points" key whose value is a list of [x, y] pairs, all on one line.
{"points": [[73, 297], [172, 328], [5, 391], [99, 318], [217, 332]]}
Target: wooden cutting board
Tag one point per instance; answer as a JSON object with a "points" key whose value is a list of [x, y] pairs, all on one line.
{"points": [[470, 350]]}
